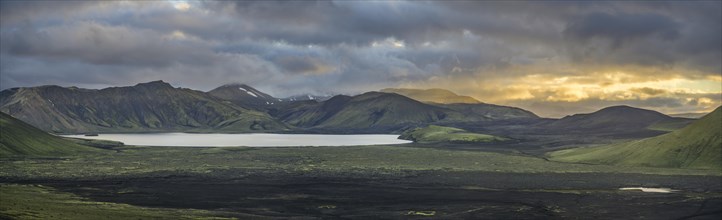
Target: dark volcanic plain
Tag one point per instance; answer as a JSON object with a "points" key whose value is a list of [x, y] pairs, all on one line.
{"points": [[477, 195], [387, 182]]}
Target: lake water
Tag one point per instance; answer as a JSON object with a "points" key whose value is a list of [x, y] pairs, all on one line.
{"points": [[647, 189], [251, 140]]}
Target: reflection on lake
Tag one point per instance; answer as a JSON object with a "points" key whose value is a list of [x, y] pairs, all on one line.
{"points": [[251, 140], [646, 189]]}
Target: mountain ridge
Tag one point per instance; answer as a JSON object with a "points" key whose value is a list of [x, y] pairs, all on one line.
{"points": [[367, 112], [151, 106], [615, 119]]}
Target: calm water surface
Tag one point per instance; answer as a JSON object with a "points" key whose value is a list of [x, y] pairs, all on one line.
{"points": [[251, 140]]}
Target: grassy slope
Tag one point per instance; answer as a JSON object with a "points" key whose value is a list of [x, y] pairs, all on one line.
{"points": [[671, 125], [386, 110], [19, 138], [40, 202], [372, 111], [162, 161], [698, 145], [435, 134]]}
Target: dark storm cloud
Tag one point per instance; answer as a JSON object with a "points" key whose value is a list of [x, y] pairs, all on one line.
{"points": [[97, 43], [620, 28], [291, 47], [301, 64]]}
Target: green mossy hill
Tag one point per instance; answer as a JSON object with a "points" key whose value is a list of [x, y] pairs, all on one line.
{"points": [[372, 111], [152, 106], [20, 138], [699, 146], [465, 105], [438, 134]]}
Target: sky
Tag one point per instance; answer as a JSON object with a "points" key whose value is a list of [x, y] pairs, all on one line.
{"points": [[553, 58]]}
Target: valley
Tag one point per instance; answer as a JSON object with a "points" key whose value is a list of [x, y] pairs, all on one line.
{"points": [[467, 160]]}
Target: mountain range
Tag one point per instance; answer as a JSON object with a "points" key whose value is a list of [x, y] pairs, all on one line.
{"points": [[152, 106], [158, 106]]}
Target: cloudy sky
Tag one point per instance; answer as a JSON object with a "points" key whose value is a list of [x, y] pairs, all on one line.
{"points": [[554, 58]]}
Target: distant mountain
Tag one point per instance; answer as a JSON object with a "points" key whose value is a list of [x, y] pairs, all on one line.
{"points": [[698, 145], [463, 104], [20, 138], [489, 111], [244, 95], [152, 106], [617, 119], [368, 112], [307, 97], [694, 115], [441, 96]]}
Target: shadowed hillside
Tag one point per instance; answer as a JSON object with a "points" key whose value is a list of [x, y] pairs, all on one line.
{"points": [[698, 145], [463, 104], [372, 111], [153, 106], [490, 111], [20, 138], [618, 119]]}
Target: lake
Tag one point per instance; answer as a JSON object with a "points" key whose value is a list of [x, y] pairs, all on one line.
{"points": [[250, 140]]}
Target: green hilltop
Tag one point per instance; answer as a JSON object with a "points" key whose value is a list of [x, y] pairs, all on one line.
{"points": [[436, 134], [20, 138], [698, 145]]}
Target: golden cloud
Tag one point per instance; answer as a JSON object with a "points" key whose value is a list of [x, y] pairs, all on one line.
{"points": [[657, 87]]}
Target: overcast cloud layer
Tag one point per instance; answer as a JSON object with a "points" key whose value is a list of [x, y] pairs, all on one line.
{"points": [[554, 58]]}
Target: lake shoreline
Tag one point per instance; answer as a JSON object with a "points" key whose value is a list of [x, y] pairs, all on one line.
{"points": [[177, 139]]}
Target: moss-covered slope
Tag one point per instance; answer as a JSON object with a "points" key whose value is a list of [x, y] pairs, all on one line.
{"points": [[368, 112], [698, 145], [437, 134], [20, 138]]}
